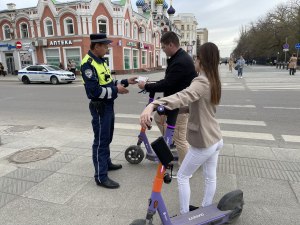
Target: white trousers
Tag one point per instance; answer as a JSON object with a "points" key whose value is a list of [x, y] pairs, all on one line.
{"points": [[208, 157]]}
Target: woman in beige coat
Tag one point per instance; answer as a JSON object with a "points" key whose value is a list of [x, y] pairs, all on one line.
{"points": [[293, 64], [203, 130]]}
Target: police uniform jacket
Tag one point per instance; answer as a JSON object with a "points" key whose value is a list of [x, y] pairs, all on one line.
{"points": [[98, 82]]}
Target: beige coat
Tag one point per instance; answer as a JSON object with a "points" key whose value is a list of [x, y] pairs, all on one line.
{"points": [[293, 62], [203, 129]]}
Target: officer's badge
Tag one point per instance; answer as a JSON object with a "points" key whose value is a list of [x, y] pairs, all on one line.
{"points": [[88, 73]]}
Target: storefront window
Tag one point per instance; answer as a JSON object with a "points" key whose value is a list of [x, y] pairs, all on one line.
{"points": [[26, 59], [144, 57], [73, 54], [52, 57], [135, 55], [127, 59]]}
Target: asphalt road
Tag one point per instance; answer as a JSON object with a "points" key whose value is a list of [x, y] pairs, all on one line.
{"points": [[266, 101]]}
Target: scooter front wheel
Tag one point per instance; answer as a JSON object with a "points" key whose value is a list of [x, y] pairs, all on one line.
{"points": [[134, 154]]}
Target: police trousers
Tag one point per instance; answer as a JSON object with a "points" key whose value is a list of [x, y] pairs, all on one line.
{"points": [[103, 127]]}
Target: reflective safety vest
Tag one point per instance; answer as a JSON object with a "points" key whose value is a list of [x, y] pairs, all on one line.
{"points": [[103, 72]]}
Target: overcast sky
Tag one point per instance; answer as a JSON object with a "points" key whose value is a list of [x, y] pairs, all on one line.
{"points": [[222, 18]]}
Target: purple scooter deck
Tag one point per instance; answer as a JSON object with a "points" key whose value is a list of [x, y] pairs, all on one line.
{"points": [[202, 216]]}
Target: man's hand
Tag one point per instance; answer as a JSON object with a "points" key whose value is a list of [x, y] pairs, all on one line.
{"points": [[121, 89], [141, 85], [132, 80]]}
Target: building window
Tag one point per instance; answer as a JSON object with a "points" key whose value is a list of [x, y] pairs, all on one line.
{"points": [[127, 29], [52, 57], [188, 27], [69, 26], [135, 55], [142, 33], [135, 32], [120, 28], [102, 25], [182, 27], [127, 59], [49, 28], [144, 57], [6, 32], [73, 54], [24, 30], [26, 59]]}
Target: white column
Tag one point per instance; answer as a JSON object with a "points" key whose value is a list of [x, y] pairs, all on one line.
{"points": [[79, 25], [38, 27], [32, 28], [84, 25], [58, 28], [115, 29], [90, 25]]}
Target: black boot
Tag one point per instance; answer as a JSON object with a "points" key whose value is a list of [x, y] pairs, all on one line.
{"points": [[108, 183]]}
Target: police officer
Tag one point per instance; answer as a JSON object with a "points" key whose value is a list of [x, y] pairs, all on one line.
{"points": [[102, 90]]}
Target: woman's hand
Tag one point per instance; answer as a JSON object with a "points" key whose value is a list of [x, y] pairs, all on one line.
{"points": [[145, 117]]}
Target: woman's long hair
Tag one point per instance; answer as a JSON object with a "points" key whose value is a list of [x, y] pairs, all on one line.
{"points": [[209, 57]]}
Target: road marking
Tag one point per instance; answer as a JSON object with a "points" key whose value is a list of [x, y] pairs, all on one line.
{"points": [[248, 135], [223, 121], [232, 134], [291, 138], [242, 122], [269, 107], [239, 106]]}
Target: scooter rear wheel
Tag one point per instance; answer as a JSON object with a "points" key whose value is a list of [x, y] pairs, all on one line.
{"points": [[134, 154]]}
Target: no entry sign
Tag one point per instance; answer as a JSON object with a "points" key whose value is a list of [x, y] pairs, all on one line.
{"points": [[18, 44]]}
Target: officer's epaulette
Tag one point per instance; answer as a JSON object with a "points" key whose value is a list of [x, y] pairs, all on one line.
{"points": [[90, 60]]}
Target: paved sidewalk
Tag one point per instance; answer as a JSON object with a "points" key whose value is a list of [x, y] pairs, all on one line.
{"points": [[61, 190]]}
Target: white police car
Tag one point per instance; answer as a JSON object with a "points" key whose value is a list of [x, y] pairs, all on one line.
{"points": [[45, 73]]}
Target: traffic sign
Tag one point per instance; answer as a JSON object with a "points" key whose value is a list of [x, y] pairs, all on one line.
{"points": [[18, 45], [286, 46], [297, 46], [285, 49]]}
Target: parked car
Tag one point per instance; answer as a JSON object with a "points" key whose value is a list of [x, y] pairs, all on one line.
{"points": [[45, 73]]}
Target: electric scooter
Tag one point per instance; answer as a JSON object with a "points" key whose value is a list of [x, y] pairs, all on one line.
{"points": [[227, 210], [134, 154]]}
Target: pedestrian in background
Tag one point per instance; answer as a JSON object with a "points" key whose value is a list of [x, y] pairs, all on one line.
{"points": [[102, 90], [240, 64], [230, 64], [2, 70], [179, 75], [203, 130], [293, 64], [73, 67], [61, 66]]}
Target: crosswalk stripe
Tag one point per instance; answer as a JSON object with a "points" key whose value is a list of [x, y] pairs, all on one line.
{"points": [[223, 121], [248, 135], [239, 106], [281, 108], [232, 134], [291, 138]]}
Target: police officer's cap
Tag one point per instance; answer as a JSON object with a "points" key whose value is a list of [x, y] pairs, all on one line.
{"points": [[100, 38]]}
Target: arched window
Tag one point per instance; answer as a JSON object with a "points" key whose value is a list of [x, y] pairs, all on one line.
{"points": [[102, 25], [6, 32], [48, 27], [69, 26], [24, 30], [135, 32], [127, 29], [147, 35]]}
